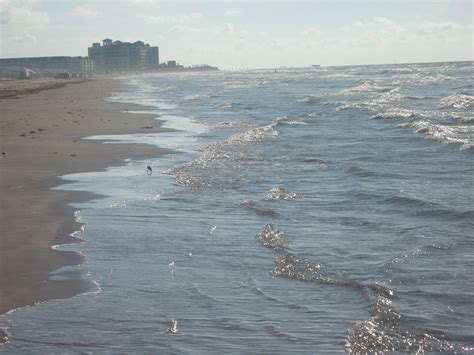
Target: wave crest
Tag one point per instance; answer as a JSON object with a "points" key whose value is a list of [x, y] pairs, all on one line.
{"points": [[298, 268], [366, 86], [394, 113], [459, 100], [271, 237], [280, 193], [445, 134]]}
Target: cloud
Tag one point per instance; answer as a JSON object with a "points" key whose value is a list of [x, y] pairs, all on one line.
{"points": [[379, 23], [25, 37], [21, 12], [311, 32], [86, 11], [440, 26], [232, 12], [388, 24], [144, 2], [174, 20], [185, 29], [29, 37], [227, 29]]}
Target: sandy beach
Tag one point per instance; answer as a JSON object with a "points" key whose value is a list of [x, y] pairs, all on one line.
{"points": [[41, 126]]}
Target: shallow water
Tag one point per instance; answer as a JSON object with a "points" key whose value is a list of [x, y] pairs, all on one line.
{"points": [[308, 210]]}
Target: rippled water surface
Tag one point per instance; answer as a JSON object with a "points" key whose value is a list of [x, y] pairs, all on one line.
{"points": [[304, 210]]}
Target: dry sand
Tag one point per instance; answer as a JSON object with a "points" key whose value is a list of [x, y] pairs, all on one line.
{"points": [[41, 125]]}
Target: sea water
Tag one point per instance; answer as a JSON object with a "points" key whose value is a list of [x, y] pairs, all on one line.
{"points": [[307, 210]]}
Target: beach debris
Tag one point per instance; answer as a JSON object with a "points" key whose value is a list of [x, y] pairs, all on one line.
{"points": [[4, 154], [73, 155], [212, 229], [171, 264], [172, 326], [146, 127], [23, 134], [149, 170]]}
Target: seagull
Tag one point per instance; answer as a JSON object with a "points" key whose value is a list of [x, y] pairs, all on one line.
{"points": [[149, 170]]}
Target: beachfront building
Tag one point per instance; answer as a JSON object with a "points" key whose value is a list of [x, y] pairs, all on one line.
{"points": [[62, 63], [124, 56]]}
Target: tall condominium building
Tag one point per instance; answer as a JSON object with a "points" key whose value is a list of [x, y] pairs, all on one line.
{"points": [[123, 56]]}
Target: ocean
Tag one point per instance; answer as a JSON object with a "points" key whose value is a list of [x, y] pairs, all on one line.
{"points": [[299, 210]]}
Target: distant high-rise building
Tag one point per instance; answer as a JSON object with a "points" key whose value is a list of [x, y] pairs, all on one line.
{"points": [[123, 56]]}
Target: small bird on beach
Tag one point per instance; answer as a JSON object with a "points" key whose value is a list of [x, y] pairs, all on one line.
{"points": [[149, 170]]}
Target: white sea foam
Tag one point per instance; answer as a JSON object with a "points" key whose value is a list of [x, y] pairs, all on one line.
{"points": [[227, 125], [421, 78], [366, 86], [395, 113], [390, 96], [288, 121], [459, 100], [201, 171], [225, 105], [271, 237], [308, 99], [464, 117], [360, 105], [443, 133], [195, 97], [255, 134], [280, 193]]}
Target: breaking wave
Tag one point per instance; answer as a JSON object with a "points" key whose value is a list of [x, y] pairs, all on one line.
{"points": [[382, 332], [271, 237], [287, 121], [279, 193], [459, 100], [202, 171], [309, 99], [366, 86], [226, 106], [421, 78], [254, 135], [394, 113], [442, 133], [298, 268]]}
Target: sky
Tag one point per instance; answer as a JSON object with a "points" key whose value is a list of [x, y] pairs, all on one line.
{"points": [[246, 34]]}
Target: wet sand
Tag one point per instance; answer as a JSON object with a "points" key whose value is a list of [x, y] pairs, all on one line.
{"points": [[41, 125]]}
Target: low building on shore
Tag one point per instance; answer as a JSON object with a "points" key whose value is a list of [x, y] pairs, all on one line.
{"points": [[62, 63]]}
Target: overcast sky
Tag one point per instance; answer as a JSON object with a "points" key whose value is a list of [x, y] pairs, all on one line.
{"points": [[246, 34]]}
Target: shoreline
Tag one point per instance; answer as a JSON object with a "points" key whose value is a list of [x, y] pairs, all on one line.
{"points": [[42, 127]]}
